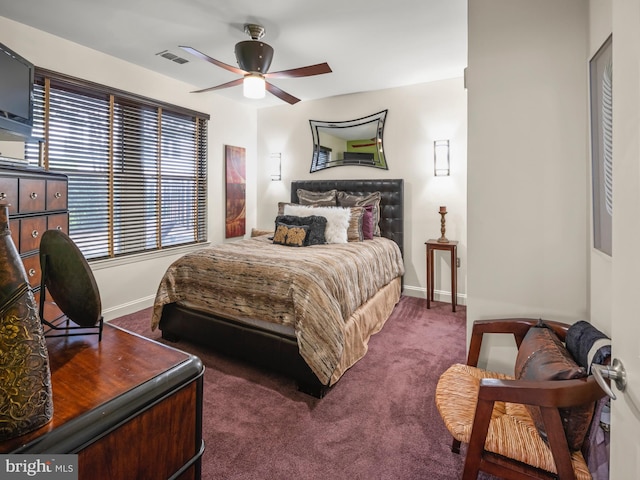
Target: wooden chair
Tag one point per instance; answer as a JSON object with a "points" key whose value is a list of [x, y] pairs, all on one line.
{"points": [[488, 411]]}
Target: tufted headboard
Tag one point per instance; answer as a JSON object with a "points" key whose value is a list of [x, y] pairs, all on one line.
{"points": [[391, 200]]}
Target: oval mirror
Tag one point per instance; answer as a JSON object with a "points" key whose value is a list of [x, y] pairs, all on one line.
{"points": [[350, 142]]}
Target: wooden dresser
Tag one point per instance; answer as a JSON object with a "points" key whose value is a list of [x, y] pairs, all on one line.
{"points": [[129, 407], [38, 202]]}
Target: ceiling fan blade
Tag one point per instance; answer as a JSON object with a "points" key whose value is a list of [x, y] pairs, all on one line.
{"points": [[232, 83], [207, 58], [309, 71], [281, 94]]}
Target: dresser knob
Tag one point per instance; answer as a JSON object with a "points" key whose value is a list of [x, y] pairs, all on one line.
{"points": [[35, 234], [59, 227], [57, 194], [33, 195], [32, 272]]}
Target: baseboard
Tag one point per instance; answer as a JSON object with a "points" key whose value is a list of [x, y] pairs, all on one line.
{"points": [[128, 308], [438, 295], [146, 302]]}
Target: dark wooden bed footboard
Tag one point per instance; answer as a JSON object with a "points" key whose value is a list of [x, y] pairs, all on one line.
{"points": [[252, 344]]}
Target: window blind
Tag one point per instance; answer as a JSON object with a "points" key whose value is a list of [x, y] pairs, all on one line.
{"points": [[137, 171]]}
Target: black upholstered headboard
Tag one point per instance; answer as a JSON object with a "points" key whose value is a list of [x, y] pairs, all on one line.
{"points": [[391, 200]]}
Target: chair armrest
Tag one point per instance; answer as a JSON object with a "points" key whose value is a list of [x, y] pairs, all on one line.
{"points": [[516, 326], [553, 393], [549, 396]]}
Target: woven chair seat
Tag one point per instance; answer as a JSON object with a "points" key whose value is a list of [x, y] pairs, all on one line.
{"points": [[512, 432]]}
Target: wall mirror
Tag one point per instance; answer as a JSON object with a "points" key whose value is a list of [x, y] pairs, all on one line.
{"points": [[350, 142]]}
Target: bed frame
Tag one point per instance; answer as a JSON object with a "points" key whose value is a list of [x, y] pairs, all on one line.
{"points": [[267, 348]]}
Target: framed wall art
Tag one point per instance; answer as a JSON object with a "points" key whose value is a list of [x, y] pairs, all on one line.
{"points": [[236, 179]]}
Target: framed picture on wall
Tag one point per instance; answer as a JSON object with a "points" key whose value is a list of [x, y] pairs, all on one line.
{"points": [[235, 175], [601, 86]]}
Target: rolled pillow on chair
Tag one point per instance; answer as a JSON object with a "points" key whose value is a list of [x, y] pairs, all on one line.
{"points": [[587, 344]]}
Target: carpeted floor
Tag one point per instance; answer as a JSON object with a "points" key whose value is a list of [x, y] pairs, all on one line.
{"points": [[378, 422]]}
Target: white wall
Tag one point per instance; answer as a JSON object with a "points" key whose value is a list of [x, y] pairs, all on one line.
{"points": [[130, 286], [416, 117], [528, 167]]}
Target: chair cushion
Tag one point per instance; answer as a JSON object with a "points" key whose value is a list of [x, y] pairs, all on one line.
{"points": [[541, 357], [512, 432]]}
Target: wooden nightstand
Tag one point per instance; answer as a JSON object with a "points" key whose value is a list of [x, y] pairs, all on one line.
{"points": [[452, 247]]}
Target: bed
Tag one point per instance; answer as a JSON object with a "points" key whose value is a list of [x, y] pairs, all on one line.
{"points": [[313, 328]]}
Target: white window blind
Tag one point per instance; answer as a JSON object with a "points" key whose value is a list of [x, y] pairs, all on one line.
{"points": [[137, 170]]}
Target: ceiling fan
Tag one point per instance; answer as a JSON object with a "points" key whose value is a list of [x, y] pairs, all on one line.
{"points": [[254, 58]]}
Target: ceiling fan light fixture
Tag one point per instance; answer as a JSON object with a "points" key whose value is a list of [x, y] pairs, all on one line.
{"points": [[253, 86]]}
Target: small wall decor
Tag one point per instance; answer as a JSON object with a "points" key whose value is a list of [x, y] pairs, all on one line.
{"points": [[235, 174], [443, 212]]}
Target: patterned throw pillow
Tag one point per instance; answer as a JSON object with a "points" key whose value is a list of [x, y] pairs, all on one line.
{"points": [[317, 199], [316, 224], [289, 235], [349, 200], [354, 232]]}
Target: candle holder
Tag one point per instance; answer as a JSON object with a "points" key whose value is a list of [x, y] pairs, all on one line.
{"points": [[442, 239]]}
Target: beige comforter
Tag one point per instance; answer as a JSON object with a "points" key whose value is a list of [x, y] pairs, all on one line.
{"points": [[312, 289]]}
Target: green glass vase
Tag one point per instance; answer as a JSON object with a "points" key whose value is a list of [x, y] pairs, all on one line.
{"points": [[26, 401]]}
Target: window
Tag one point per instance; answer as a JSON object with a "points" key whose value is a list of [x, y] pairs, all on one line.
{"points": [[136, 168]]}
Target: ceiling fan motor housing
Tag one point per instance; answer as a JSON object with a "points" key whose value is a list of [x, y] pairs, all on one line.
{"points": [[254, 56]]}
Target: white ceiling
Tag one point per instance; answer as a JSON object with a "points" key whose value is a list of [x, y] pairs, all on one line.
{"points": [[369, 44]]}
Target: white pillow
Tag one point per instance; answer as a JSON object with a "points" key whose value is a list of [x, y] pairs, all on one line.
{"points": [[337, 220]]}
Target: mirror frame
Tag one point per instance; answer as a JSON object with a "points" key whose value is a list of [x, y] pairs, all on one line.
{"points": [[374, 129]]}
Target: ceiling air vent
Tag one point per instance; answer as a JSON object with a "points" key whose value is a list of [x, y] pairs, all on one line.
{"points": [[172, 56]]}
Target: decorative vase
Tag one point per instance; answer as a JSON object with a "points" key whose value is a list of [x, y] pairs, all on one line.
{"points": [[26, 401]]}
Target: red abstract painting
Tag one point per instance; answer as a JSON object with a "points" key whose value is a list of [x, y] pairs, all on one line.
{"points": [[235, 173]]}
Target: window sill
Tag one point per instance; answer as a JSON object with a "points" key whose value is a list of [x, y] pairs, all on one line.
{"points": [[135, 258]]}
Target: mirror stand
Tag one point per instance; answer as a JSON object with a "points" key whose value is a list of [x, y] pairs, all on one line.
{"points": [[67, 277]]}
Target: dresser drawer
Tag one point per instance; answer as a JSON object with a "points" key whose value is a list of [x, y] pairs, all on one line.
{"points": [[58, 221], [9, 193], [56, 195], [32, 267], [31, 194], [31, 230]]}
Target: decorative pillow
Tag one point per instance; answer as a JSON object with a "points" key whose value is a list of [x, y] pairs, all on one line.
{"points": [[349, 200], [543, 357], [290, 235], [317, 199], [316, 224], [354, 232], [367, 223], [281, 206], [257, 232], [337, 220]]}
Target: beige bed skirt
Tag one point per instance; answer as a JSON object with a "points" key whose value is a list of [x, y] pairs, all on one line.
{"points": [[365, 322]]}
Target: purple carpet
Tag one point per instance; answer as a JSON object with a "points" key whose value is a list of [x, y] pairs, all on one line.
{"points": [[378, 422]]}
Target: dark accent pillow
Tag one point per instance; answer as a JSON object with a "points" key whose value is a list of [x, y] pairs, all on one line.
{"points": [[290, 235], [316, 224], [317, 199], [367, 223], [541, 357], [349, 200]]}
